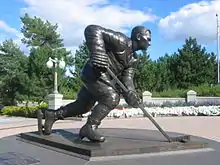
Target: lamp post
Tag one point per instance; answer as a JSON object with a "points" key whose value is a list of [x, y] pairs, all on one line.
{"points": [[217, 23], [55, 63]]}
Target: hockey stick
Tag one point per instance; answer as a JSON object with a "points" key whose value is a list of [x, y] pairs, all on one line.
{"points": [[183, 139]]}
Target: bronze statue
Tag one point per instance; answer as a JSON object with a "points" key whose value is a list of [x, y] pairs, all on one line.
{"points": [[108, 49]]}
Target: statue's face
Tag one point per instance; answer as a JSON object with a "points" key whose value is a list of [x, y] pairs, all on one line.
{"points": [[144, 40]]}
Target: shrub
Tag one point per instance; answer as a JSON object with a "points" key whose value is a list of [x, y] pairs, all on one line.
{"points": [[207, 90], [170, 93], [20, 111], [42, 105], [202, 90]]}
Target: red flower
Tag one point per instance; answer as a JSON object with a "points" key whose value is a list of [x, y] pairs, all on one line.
{"points": [[119, 108]]}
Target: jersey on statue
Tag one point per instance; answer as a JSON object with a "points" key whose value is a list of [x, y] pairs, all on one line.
{"points": [[108, 49]]}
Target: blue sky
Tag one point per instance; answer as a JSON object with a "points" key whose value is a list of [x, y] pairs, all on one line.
{"points": [[170, 21]]}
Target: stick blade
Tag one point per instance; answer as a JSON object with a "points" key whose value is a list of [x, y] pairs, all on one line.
{"points": [[182, 139]]}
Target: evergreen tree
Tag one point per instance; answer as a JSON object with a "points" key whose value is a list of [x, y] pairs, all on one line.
{"points": [[192, 65], [44, 42], [79, 60], [13, 73]]}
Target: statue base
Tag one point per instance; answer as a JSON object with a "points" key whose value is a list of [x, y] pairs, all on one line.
{"points": [[119, 142], [123, 146]]}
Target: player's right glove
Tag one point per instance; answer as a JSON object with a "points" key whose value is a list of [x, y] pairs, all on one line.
{"points": [[132, 99]]}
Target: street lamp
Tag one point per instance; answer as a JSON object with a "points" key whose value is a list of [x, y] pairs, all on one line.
{"points": [[217, 23], [55, 63]]}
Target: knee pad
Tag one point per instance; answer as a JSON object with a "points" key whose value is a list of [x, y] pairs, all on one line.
{"points": [[111, 100]]}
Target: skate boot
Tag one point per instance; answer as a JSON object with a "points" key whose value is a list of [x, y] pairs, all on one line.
{"points": [[89, 130], [51, 116]]}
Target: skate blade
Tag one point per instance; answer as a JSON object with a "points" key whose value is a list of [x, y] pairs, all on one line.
{"points": [[79, 139]]}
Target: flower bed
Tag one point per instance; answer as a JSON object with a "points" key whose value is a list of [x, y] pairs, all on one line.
{"points": [[165, 111]]}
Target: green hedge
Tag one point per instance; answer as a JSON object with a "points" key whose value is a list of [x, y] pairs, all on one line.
{"points": [[202, 90], [19, 111], [23, 111], [207, 90], [170, 93]]}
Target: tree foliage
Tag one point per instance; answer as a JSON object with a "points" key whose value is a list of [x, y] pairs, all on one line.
{"points": [[44, 42], [40, 33], [13, 70], [192, 65], [80, 59]]}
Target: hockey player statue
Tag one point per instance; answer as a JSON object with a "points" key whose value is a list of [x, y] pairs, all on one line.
{"points": [[108, 49]]}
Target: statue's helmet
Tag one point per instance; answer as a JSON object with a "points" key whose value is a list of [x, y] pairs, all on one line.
{"points": [[139, 32]]}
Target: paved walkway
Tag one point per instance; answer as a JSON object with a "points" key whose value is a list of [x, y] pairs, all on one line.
{"points": [[207, 127]]}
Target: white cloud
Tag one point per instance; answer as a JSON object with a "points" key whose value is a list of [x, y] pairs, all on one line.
{"points": [[7, 32], [73, 16], [7, 29], [195, 19]]}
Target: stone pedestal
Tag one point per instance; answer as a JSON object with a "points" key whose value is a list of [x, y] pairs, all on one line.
{"points": [[119, 142], [122, 147], [191, 96], [55, 101], [147, 97]]}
